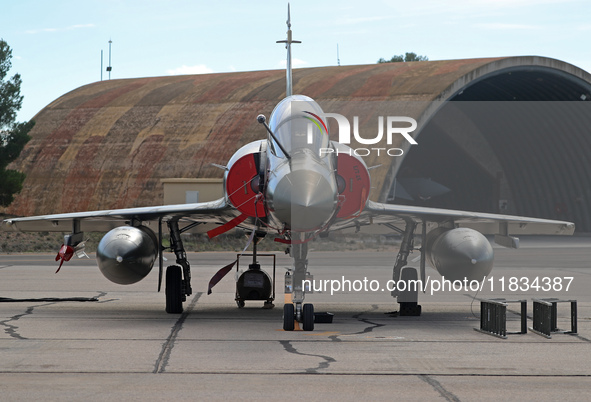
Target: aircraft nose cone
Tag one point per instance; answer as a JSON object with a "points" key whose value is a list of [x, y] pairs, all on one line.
{"points": [[304, 199]]}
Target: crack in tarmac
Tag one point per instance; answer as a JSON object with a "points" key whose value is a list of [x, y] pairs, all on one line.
{"points": [[335, 338], [439, 388], [11, 330], [164, 356], [366, 330], [103, 294], [57, 299], [313, 370]]}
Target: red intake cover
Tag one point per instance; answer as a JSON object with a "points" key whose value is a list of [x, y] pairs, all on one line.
{"points": [[240, 183], [356, 185]]}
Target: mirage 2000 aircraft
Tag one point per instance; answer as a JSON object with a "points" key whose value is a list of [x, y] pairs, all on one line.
{"points": [[285, 187]]}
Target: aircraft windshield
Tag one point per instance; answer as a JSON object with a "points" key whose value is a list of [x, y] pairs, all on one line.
{"points": [[298, 123]]}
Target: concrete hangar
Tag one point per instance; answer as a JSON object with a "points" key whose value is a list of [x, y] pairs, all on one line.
{"points": [[482, 133]]}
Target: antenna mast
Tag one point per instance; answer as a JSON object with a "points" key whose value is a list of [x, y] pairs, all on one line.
{"points": [[109, 67], [288, 42]]}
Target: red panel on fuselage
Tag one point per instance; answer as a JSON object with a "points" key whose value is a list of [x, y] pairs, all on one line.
{"points": [[240, 189], [357, 183]]}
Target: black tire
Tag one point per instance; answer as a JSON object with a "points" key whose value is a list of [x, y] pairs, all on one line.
{"points": [[308, 317], [410, 309], [288, 317], [173, 290]]}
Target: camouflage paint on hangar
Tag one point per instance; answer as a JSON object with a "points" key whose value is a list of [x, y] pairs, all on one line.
{"points": [[109, 144]]}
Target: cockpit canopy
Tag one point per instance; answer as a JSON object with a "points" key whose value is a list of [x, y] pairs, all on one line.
{"points": [[298, 123]]}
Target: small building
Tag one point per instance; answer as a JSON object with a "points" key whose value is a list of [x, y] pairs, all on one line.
{"points": [[188, 191]]}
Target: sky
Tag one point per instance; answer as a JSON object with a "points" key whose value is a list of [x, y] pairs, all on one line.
{"points": [[56, 45]]}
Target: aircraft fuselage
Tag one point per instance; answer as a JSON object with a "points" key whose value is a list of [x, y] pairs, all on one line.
{"points": [[288, 182]]}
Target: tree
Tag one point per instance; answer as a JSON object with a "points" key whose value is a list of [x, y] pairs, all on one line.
{"points": [[409, 56], [13, 135]]}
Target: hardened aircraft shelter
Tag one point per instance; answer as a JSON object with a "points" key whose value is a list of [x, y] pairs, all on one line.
{"points": [[504, 135]]}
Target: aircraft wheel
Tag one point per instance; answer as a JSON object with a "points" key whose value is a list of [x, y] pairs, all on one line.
{"points": [[173, 290], [288, 317], [410, 309], [240, 303], [308, 317]]}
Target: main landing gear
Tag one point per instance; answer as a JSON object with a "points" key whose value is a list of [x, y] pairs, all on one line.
{"points": [[297, 310], [408, 297], [178, 277]]}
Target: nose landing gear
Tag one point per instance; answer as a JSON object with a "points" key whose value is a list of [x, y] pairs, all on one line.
{"points": [[306, 316], [298, 311]]}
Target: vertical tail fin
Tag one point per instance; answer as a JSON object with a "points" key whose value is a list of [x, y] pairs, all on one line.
{"points": [[288, 42]]}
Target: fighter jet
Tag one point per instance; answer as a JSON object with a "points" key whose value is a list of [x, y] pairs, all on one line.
{"points": [[286, 186]]}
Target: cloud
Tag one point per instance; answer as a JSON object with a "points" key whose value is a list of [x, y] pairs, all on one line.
{"points": [[359, 20], [52, 30], [188, 70], [81, 26], [295, 63], [487, 4], [503, 27], [521, 3]]}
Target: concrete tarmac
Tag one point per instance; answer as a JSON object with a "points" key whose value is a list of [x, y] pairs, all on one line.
{"points": [[125, 347]]}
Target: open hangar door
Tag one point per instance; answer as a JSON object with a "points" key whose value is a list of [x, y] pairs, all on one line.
{"points": [[516, 141]]}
